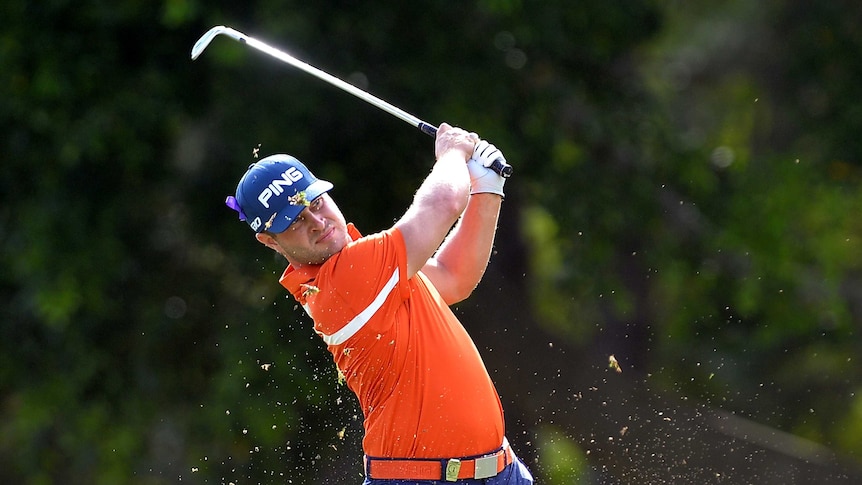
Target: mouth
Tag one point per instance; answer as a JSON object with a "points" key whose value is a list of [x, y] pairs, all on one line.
{"points": [[327, 235]]}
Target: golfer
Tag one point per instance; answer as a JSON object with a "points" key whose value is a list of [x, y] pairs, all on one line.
{"points": [[381, 304]]}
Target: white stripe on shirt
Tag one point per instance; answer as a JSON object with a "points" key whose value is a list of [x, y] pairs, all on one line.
{"points": [[364, 316]]}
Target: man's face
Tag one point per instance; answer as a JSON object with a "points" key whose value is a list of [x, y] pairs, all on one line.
{"points": [[319, 232]]}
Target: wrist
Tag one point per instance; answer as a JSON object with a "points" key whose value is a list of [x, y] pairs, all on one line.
{"points": [[457, 153], [494, 195]]}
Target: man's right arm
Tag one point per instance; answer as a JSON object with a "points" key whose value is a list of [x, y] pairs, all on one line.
{"points": [[440, 200]]}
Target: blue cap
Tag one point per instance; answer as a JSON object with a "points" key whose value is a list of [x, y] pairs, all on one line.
{"points": [[274, 190]]}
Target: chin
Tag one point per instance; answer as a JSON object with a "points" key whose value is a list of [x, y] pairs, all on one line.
{"points": [[323, 257]]}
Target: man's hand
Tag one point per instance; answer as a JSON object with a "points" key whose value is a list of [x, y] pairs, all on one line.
{"points": [[483, 179], [450, 138]]}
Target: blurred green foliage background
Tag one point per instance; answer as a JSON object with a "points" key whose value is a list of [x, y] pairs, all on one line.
{"points": [[686, 199]]}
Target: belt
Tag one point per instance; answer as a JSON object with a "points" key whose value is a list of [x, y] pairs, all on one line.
{"points": [[447, 469]]}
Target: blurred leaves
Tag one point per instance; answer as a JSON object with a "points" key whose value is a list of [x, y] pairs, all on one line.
{"points": [[686, 190]]}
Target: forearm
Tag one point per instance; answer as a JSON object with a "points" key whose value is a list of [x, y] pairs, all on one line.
{"points": [[449, 181], [466, 251], [437, 205]]}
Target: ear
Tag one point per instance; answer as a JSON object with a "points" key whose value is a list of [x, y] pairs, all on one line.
{"points": [[267, 240]]}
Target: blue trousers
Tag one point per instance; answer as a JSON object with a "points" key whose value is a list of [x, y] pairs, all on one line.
{"points": [[514, 474]]}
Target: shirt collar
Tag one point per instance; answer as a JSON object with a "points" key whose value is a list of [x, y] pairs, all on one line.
{"points": [[296, 280]]}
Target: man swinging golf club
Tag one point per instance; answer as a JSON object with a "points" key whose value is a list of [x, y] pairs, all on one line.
{"points": [[381, 305]]}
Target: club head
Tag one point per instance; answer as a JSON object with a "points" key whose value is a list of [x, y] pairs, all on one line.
{"points": [[205, 39]]}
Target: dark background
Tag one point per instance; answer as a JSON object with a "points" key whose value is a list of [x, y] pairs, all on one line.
{"points": [[686, 199]]}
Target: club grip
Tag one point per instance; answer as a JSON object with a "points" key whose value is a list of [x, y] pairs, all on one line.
{"points": [[499, 165]]}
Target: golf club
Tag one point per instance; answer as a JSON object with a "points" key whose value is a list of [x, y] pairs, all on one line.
{"points": [[499, 165]]}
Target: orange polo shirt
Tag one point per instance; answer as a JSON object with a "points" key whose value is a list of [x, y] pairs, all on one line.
{"points": [[422, 386]]}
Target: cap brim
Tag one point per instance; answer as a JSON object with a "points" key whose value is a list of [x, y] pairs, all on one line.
{"points": [[286, 216]]}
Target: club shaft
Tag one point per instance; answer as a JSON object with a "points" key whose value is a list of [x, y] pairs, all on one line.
{"points": [[498, 166], [344, 86]]}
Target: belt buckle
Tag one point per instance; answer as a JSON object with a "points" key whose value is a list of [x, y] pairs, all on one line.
{"points": [[485, 467], [453, 466]]}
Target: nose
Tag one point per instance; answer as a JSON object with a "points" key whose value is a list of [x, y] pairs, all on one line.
{"points": [[315, 221]]}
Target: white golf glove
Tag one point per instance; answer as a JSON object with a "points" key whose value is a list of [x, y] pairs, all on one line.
{"points": [[483, 179]]}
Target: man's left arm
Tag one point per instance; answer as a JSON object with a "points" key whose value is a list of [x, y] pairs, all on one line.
{"points": [[460, 262]]}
